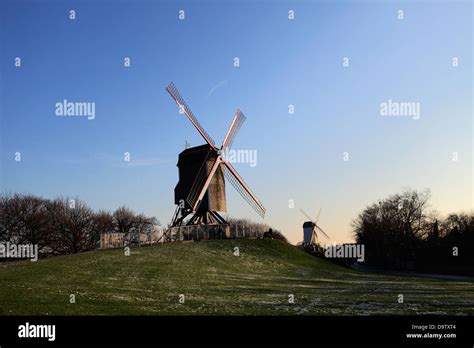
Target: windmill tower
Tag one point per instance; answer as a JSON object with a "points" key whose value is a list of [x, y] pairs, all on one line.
{"points": [[200, 192], [310, 228]]}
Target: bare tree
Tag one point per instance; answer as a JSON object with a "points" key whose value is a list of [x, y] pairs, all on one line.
{"points": [[124, 222], [24, 219], [65, 225], [144, 225], [102, 222], [73, 226], [393, 228]]}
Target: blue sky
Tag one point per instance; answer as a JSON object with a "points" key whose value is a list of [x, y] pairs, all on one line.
{"points": [[282, 62]]}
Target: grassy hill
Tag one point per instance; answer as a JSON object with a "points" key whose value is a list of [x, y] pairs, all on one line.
{"points": [[215, 281]]}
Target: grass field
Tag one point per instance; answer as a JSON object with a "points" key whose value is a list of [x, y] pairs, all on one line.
{"points": [[216, 282]]}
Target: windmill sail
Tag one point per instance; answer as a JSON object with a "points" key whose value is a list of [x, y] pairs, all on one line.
{"points": [[199, 181], [234, 178], [173, 91], [324, 233], [234, 128]]}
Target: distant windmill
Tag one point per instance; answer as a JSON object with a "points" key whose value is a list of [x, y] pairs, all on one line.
{"points": [[310, 229], [201, 187]]}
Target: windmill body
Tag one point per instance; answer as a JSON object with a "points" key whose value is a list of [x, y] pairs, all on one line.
{"points": [[308, 231], [190, 162], [311, 229], [189, 165]]}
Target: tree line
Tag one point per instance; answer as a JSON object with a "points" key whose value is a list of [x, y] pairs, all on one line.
{"points": [[401, 232], [63, 225], [67, 226]]}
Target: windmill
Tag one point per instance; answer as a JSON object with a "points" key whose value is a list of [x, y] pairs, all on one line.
{"points": [[310, 229], [200, 192]]}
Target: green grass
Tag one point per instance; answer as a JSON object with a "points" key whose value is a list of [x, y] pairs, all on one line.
{"points": [[215, 282]]}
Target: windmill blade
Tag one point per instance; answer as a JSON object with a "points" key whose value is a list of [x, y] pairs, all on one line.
{"points": [[304, 213], [237, 122], [203, 190], [321, 230], [317, 217], [234, 178], [199, 181], [173, 91]]}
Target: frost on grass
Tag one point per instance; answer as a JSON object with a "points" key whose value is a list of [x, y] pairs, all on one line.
{"points": [[217, 283]]}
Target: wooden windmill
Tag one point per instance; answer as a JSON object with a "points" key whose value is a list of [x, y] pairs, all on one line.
{"points": [[200, 192], [311, 228]]}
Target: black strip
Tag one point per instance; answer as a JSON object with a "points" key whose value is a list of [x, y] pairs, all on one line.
{"points": [[242, 330]]}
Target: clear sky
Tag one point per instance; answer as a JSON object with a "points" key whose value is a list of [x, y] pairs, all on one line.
{"points": [[300, 156]]}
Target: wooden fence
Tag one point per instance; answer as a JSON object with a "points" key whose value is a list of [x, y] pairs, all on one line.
{"points": [[180, 233]]}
